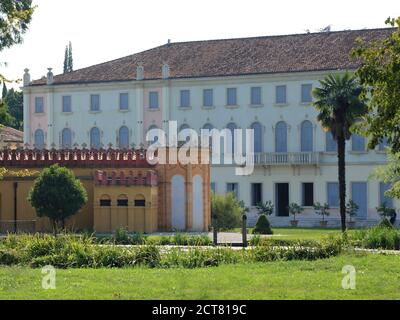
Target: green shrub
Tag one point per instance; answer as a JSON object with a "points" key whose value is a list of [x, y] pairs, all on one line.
{"points": [[148, 255], [262, 226], [227, 210], [9, 257], [121, 236], [385, 223], [138, 239]]}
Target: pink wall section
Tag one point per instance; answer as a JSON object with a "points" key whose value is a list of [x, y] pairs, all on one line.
{"points": [[151, 117], [38, 121]]}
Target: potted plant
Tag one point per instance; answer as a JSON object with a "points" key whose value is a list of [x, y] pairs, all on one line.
{"points": [[351, 210], [322, 210], [294, 209], [387, 213], [266, 208]]}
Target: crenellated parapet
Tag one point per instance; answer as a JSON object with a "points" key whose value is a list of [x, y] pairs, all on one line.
{"points": [[74, 158], [121, 178]]}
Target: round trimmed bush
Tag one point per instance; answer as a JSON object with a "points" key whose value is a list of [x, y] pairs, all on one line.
{"points": [[263, 226]]}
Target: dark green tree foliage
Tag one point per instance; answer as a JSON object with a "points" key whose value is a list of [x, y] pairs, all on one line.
{"points": [[380, 75], [262, 226], [57, 194], [15, 102], [4, 92], [68, 59], [6, 119], [340, 106], [15, 16]]}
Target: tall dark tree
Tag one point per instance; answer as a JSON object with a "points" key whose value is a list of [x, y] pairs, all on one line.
{"points": [[66, 59], [70, 58], [14, 100], [4, 92], [340, 106]]}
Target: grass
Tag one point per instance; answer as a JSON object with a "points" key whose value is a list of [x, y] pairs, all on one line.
{"points": [[298, 233], [378, 277]]}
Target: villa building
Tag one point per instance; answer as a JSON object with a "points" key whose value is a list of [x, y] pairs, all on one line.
{"points": [[262, 83]]}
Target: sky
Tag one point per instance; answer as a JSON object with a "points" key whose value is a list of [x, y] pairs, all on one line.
{"points": [[103, 30]]}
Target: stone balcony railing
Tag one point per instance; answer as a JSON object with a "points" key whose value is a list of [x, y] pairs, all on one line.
{"points": [[286, 158]]}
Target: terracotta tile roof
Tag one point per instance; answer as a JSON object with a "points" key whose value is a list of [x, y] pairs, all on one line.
{"points": [[9, 134], [229, 57]]}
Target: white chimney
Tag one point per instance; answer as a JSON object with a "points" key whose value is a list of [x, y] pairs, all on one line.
{"points": [[50, 76], [139, 72], [165, 71], [27, 78]]}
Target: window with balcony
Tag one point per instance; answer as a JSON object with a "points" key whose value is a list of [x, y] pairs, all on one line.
{"points": [[66, 138], [258, 133], [123, 137], [306, 136], [95, 138], [230, 141], [39, 139], [281, 137], [233, 188]]}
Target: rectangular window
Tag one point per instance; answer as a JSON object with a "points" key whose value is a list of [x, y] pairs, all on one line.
{"points": [[308, 194], [105, 203], [280, 94], [331, 144], [383, 144], [333, 194], [208, 97], [122, 202], [231, 98], [233, 188], [255, 96], [185, 98], [256, 193], [306, 96], [66, 104], [357, 143], [95, 102], [359, 196], [123, 101], [383, 187], [213, 187], [39, 105], [140, 203], [153, 100]]}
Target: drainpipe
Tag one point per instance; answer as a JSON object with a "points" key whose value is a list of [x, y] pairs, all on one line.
{"points": [[15, 206]]}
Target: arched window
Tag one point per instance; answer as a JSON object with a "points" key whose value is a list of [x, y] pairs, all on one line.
{"points": [[122, 201], [140, 201], [331, 145], [123, 138], [281, 137], [153, 137], [257, 127], [209, 127], [105, 201], [66, 138], [184, 130], [306, 136], [95, 138], [231, 140], [39, 139]]}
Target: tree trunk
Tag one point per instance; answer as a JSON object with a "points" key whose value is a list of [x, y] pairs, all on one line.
{"points": [[341, 142], [54, 223]]}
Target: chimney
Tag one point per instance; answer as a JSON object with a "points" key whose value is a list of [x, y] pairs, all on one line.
{"points": [[165, 71], [139, 72], [50, 76], [27, 78]]}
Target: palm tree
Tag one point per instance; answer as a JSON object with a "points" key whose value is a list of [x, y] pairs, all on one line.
{"points": [[339, 105]]}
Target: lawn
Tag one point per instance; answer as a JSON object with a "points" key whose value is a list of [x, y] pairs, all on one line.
{"points": [[378, 277]]}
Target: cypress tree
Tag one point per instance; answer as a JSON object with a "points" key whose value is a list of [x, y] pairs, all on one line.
{"points": [[66, 60], [70, 59], [4, 93]]}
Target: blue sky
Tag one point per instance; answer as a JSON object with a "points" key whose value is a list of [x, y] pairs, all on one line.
{"points": [[102, 30]]}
